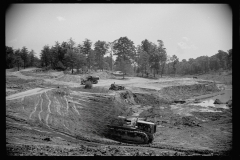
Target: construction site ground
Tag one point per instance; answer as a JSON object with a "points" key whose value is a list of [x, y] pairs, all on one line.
{"points": [[50, 113]]}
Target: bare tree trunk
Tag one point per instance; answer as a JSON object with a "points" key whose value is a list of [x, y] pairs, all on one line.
{"points": [[168, 69], [162, 69]]}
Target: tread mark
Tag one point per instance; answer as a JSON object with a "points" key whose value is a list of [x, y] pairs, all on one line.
{"points": [[34, 109], [41, 109]]}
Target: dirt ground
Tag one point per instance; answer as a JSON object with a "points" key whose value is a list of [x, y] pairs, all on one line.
{"points": [[50, 113]]}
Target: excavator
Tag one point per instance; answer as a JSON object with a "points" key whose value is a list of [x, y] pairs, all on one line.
{"points": [[132, 130]]}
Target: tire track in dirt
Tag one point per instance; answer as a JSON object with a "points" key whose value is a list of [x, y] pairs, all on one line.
{"points": [[74, 106], [49, 103], [35, 108], [58, 106], [40, 108], [66, 102], [47, 120], [65, 126], [22, 101], [48, 111], [63, 109]]}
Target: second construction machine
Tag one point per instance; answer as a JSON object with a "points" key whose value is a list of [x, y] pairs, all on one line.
{"points": [[116, 87], [134, 130]]}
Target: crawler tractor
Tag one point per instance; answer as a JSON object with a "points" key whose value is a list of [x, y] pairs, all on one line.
{"points": [[92, 79], [133, 130], [116, 87]]}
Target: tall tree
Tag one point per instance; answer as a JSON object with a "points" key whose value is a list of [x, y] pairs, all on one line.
{"points": [[80, 61], [144, 62], [222, 56], [110, 46], [100, 49], [9, 57], [168, 61], [125, 51], [24, 56], [162, 56], [63, 50], [229, 59], [45, 56], [175, 60], [109, 60], [214, 63], [86, 50], [146, 46], [71, 57], [56, 56], [18, 60], [31, 57]]}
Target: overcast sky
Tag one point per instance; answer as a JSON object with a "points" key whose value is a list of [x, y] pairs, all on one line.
{"points": [[187, 30]]}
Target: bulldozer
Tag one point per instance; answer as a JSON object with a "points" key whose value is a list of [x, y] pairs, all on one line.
{"points": [[116, 87], [93, 79], [133, 130]]}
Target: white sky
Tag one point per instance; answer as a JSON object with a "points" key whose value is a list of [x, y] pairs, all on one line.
{"points": [[187, 30]]}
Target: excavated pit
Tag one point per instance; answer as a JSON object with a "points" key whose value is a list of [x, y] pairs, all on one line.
{"points": [[72, 115], [187, 91]]}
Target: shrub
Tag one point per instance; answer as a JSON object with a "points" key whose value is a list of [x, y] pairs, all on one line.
{"points": [[88, 85], [60, 66]]}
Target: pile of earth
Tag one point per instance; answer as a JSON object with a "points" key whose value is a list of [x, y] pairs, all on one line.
{"points": [[187, 91], [81, 115], [128, 97], [49, 74], [70, 78], [15, 84]]}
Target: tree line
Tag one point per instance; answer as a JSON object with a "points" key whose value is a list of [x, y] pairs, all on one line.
{"points": [[21, 58], [203, 64], [144, 59]]}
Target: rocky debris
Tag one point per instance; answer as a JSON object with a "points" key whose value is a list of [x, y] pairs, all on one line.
{"points": [[186, 121], [179, 101], [229, 103], [47, 139], [197, 101], [217, 101]]}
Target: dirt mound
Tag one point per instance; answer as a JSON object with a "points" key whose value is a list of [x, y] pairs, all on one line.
{"points": [[146, 99], [125, 97], [15, 84], [70, 78], [187, 91], [43, 74], [128, 97], [186, 121], [83, 116]]}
